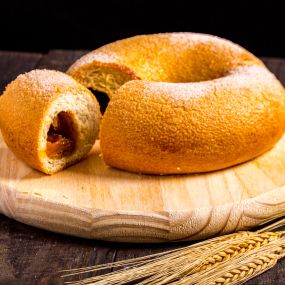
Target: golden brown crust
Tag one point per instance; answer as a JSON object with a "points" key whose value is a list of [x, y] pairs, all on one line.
{"points": [[195, 128], [231, 111], [169, 57], [24, 108]]}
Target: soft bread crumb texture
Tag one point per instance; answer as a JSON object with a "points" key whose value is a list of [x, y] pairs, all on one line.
{"points": [[203, 103], [28, 107]]}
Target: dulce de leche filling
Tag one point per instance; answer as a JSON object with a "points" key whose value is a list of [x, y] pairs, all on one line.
{"points": [[61, 137]]}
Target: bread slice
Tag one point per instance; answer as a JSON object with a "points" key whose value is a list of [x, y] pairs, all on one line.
{"points": [[48, 119]]}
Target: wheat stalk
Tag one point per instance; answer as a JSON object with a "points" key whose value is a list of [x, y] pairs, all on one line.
{"points": [[190, 252], [244, 271], [238, 248], [230, 259], [246, 266], [193, 251], [248, 258]]}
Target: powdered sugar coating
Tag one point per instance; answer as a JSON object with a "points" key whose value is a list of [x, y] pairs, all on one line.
{"points": [[204, 103], [169, 57], [28, 107], [44, 80]]}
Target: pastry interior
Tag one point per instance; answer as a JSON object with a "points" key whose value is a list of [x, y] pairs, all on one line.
{"points": [[69, 130]]}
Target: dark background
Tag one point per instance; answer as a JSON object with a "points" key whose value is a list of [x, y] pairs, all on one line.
{"points": [[44, 25], [32, 256]]}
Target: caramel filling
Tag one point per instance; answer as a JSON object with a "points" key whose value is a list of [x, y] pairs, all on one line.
{"points": [[61, 137]]}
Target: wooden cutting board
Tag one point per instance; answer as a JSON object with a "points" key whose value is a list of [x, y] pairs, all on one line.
{"points": [[93, 200]]}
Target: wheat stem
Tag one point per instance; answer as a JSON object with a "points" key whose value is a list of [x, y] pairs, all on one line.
{"points": [[230, 259], [196, 250]]}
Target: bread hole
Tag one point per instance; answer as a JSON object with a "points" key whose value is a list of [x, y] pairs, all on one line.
{"points": [[102, 98], [61, 137]]}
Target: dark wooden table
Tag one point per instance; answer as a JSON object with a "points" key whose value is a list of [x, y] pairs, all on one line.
{"points": [[32, 256]]}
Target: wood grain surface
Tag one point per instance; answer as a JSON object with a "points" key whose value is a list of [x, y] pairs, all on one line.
{"points": [[93, 200], [32, 256]]}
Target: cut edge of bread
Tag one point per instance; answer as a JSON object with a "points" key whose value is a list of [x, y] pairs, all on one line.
{"points": [[104, 77], [86, 119]]}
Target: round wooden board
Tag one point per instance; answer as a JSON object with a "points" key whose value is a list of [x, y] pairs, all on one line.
{"points": [[93, 200]]}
